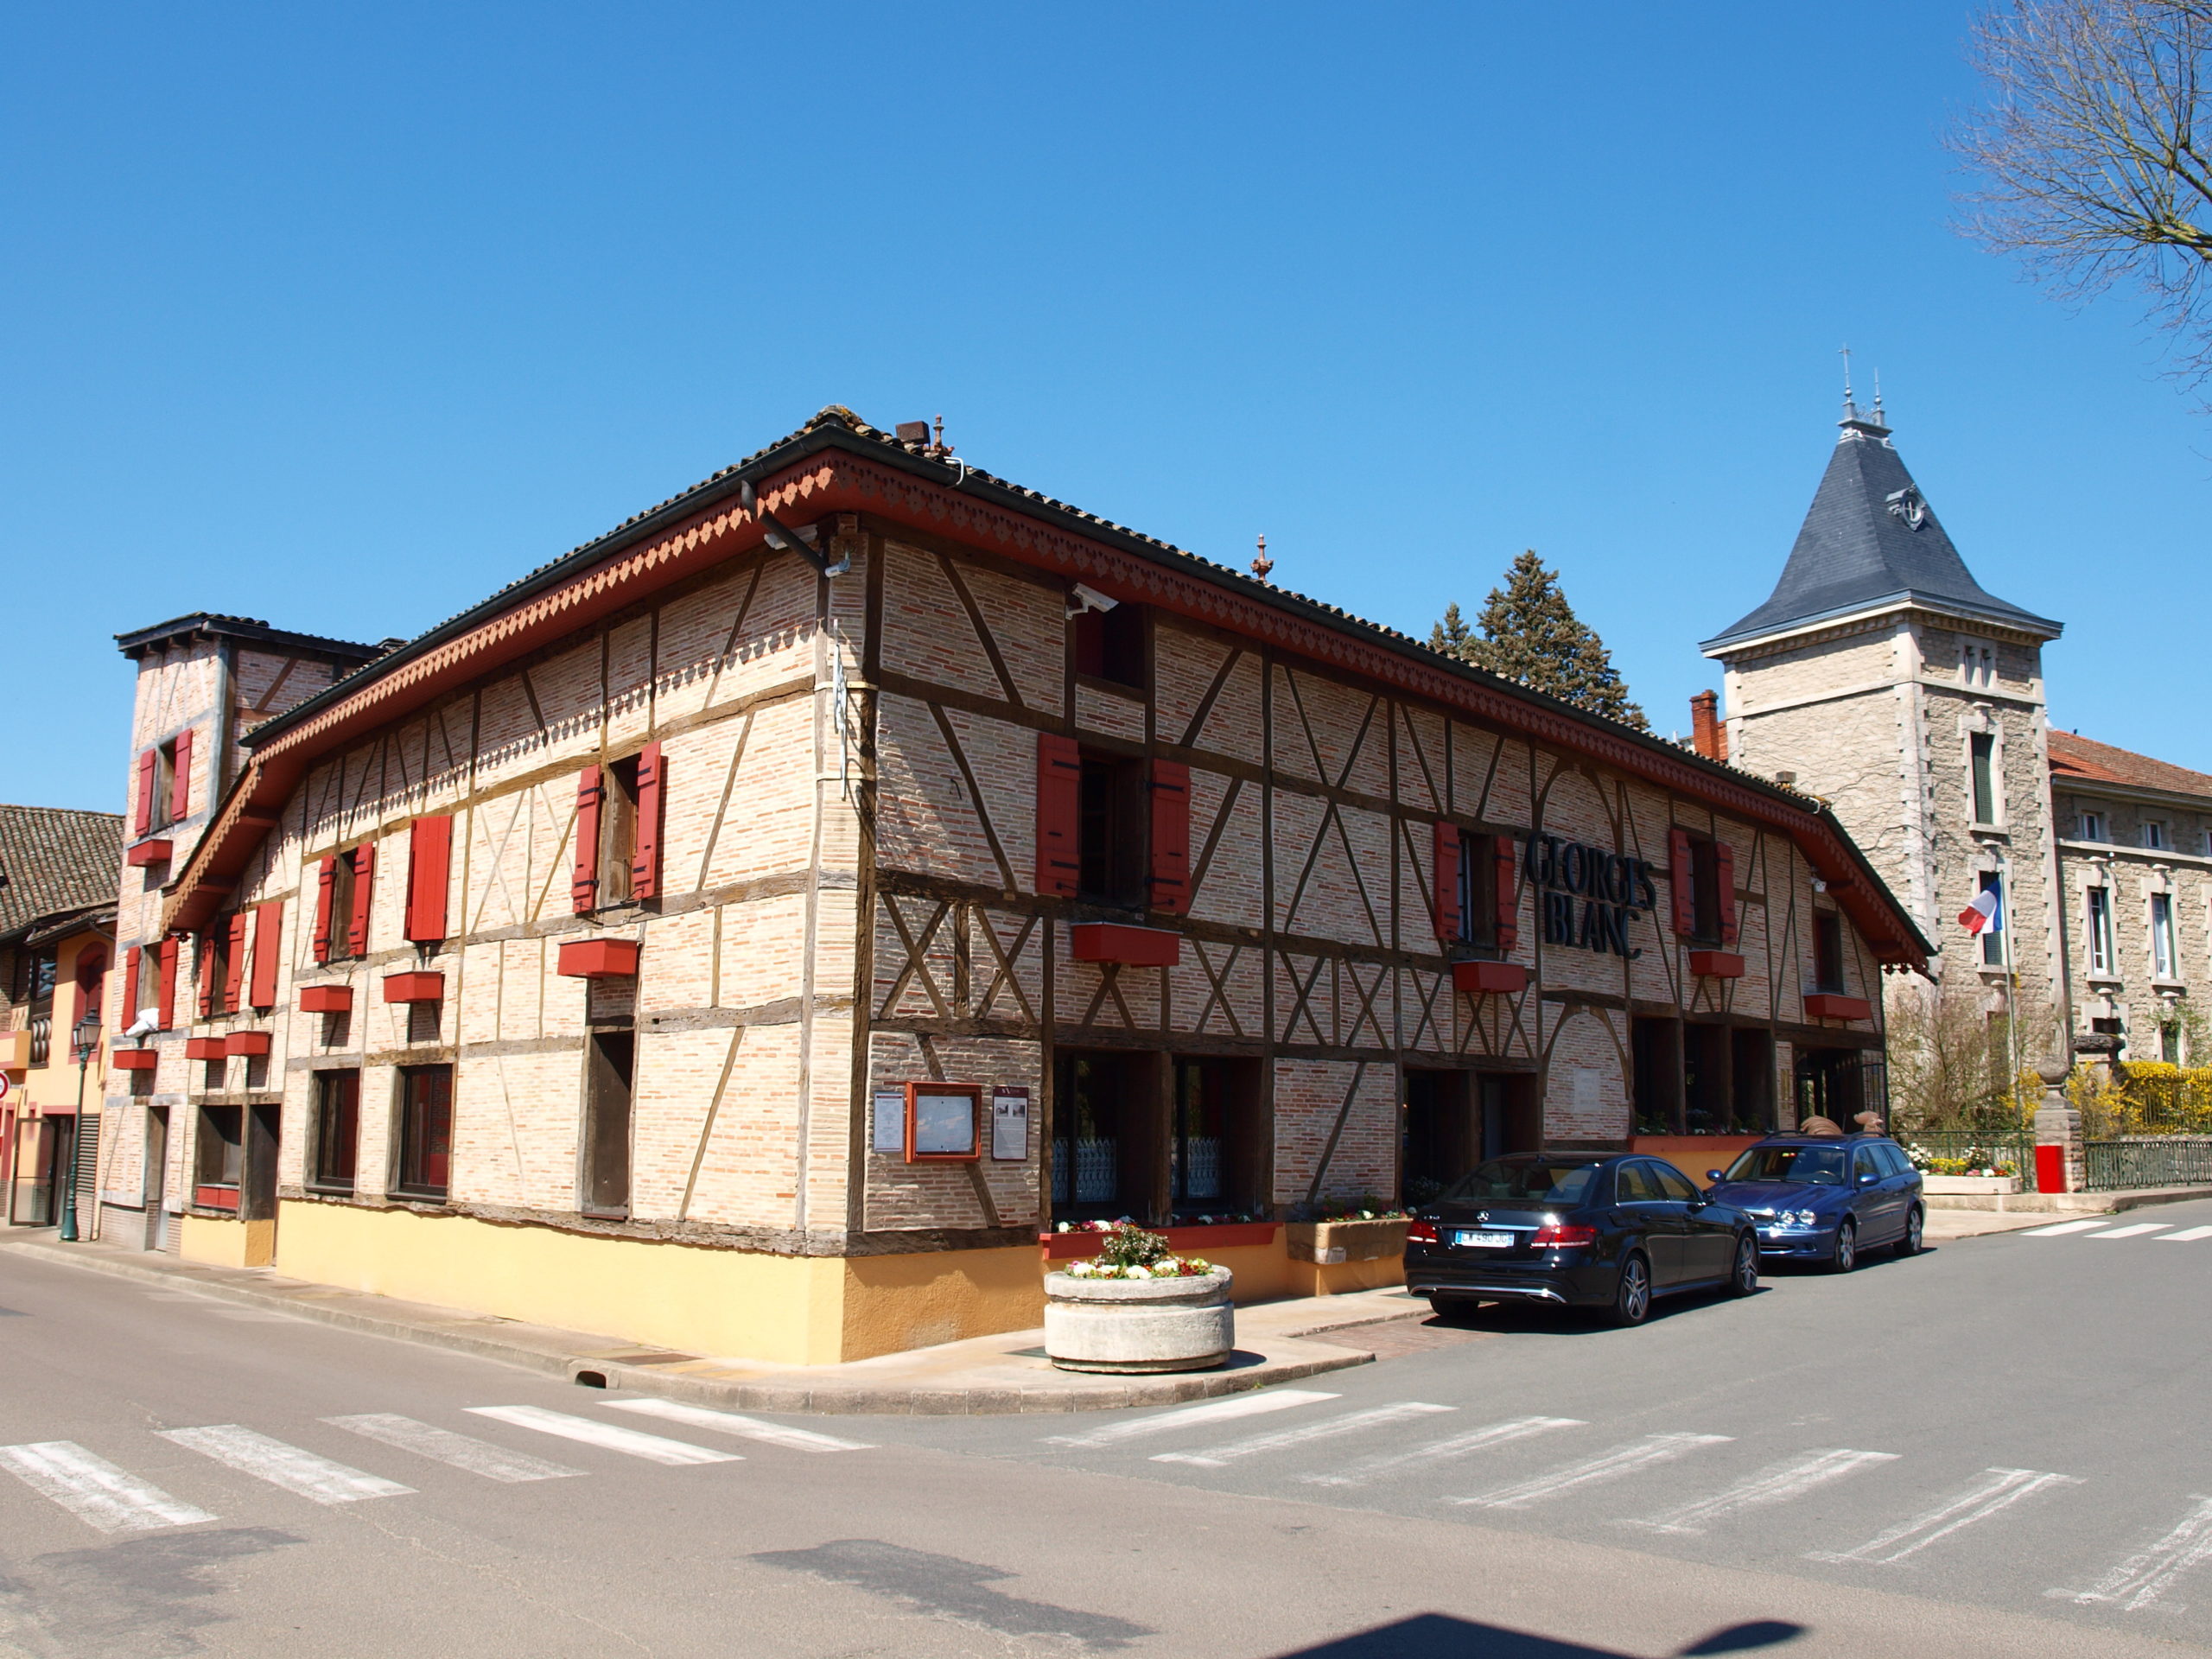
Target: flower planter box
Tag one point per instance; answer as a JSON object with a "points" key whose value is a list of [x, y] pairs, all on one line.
{"points": [[326, 999], [135, 1059], [1969, 1182], [1328, 1243], [1184, 1240], [1139, 1325]]}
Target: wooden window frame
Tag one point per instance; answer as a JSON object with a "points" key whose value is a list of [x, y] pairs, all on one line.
{"points": [[228, 1172], [1112, 648], [409, 1159], [320, 1179], [342, 879], [1829, 952], [1113, 805]]}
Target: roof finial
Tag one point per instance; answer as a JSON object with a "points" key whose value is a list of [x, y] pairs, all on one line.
{"points": [[1262, 564], [1878, 421], [1850, 409]]}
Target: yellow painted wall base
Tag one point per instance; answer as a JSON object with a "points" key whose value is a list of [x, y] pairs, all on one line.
{"points": [[717, 1303], [1342, 1278], [225, 1243]]}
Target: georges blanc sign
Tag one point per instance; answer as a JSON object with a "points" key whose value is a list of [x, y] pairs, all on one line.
{"points": [[1587, 896]]}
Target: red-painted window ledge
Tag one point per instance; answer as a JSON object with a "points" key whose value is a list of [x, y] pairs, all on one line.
{"points": [[416, 987], [1826, 1005], [1716, 964], [1489, 978], [599, 959], [1133, 947]]}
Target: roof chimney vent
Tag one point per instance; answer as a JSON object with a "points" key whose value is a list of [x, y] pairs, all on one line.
{"points": [[1707, 735], [914, 432]]}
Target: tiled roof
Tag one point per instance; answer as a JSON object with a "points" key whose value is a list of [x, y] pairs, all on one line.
{"points": [[239, 627], [2075, 758], [55, 860], [1871, 537]]}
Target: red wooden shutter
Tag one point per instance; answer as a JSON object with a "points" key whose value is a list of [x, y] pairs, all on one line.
{"points": [[1509, 893], [148, 763], [1682, 882], [268, 929], [1724, 878], [234, 965], [430, 859], [167, 951], [181, 777], [128, 1017], [1171, 836], [1444, 890], [365, 889], [645, 867], [203, 964], [584, 885], [1060, 814], [325, 882]]}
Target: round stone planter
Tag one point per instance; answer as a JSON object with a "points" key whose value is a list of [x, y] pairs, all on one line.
{"points": [[1138, 1324]]}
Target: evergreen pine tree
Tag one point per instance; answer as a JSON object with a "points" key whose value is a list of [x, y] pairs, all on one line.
{"points": [[1530, 633]]}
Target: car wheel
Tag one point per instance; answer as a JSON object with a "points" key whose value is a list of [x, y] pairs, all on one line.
{"points": [[1915, 1225], [1453, 1310], [1632, 1296], [1744, 1281], [1844, 1256]]}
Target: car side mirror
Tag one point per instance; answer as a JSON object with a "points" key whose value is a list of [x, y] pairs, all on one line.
{"points": [[1714, 1175], [1868, 1180]]}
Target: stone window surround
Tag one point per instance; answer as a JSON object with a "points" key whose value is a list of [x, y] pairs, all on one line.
{"points": [[1981, 721]]}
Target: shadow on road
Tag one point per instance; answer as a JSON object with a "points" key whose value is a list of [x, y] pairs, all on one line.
{"points": [[1439, 1636]]}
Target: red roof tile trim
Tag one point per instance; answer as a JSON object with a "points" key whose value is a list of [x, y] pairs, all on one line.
{"points": [[2080, 757]]}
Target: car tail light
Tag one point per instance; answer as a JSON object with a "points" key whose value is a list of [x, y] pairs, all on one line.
{"points": [[1420, 1232], [1556, 1237]]}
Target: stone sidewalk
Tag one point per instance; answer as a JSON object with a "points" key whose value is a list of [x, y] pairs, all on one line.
{"points": [[1276, 1341]]}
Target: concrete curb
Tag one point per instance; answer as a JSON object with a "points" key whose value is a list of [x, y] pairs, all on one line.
{"points": [[565, 1353], [2069, 1204]]}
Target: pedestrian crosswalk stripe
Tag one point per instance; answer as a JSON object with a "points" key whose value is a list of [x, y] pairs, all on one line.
{"points": [[459, 1450], [1776, 1484], [94, 1489], [611, 1436], [1213, 1411], [1609, 1464], [2188, 1235], [1997, 1489], [2136, 1231], [730, 1422], [1215, 1456], [2065, 1227], [288, 1466], [1456, 1445], [2148, 1574]]}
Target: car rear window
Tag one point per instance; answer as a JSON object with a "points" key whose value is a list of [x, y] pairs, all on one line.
{"points": [[1540, 1181], [1813, 1165]]}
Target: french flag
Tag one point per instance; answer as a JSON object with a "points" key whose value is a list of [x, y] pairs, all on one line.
{"points": [[1985, 914]]}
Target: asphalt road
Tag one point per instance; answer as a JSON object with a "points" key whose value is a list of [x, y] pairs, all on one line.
{"points": [[1992, 1449]]}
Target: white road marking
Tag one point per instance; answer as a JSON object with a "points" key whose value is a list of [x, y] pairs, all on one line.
{"points": [[2136, 1231], [1213, 1411], [1623, 1460], [2064, 1227], [612, 1436], [2188, 1235], [1999, 1488], [459, 1450], [2148, 1574], [729, 1422], [1776, 1484], [1214, 1456], [256, 1316], [177, 1296], [94, 1489], [1478, 1440], [288, 1466]]}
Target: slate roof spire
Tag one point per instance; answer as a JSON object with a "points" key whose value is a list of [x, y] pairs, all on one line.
{"points": [[1870, 539]]}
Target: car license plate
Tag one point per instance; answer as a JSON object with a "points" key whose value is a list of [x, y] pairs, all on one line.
{"points": [[1483, 1240]]}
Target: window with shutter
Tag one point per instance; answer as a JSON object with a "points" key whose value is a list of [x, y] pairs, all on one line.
{"points": [[127, 1015], [364, 873], [1505, 927], [1681, 882], [234, 964], [208, 967], [1171, 836], [651, 813], [149, 763], [1724, 894], [169, 950], [430, 859], [268, 927], [1059, 804], [1444, 891], [180, 776], [325, 894], [618, 830], [583, 881]]}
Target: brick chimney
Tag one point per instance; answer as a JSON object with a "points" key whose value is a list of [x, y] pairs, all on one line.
{"points": [[1707, 735]]}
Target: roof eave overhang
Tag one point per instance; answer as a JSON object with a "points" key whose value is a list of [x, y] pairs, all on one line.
{"points": [[829, 468], [2017, 622], [2141, 794]]}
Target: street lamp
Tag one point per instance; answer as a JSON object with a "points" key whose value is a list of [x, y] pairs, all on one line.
{"points": [[85, 1038]]}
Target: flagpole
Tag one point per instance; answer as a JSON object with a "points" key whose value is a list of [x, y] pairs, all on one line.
{"points": [[2012, 988]]}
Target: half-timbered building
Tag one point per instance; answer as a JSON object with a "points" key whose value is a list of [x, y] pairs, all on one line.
{"points": [[748, 932]]}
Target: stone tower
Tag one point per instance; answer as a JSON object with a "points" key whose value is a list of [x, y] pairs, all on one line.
{"points": [[1881, 675]]}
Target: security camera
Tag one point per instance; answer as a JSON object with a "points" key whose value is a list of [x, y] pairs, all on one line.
{"points": [[148, 1022], [1090, 598]]}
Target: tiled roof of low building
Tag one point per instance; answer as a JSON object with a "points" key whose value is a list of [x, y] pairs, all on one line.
{"points": [[139, 640], [55, 860], [2075, 758]]}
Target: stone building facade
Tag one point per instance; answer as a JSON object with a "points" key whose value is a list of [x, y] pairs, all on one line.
{"points": [[1882, 677], [748, 932]]}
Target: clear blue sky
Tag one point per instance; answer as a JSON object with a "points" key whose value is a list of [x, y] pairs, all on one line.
{"points": [[344, 317]]}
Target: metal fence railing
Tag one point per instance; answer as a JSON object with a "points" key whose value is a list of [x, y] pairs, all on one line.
{"points": [[2008, 1152], [2163, 1161]]}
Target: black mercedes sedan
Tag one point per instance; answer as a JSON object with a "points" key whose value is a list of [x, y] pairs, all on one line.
{"points": [[1577, 1231]]}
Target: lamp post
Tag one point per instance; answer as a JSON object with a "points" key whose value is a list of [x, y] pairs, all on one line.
{"points": [[85, 1037]]}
